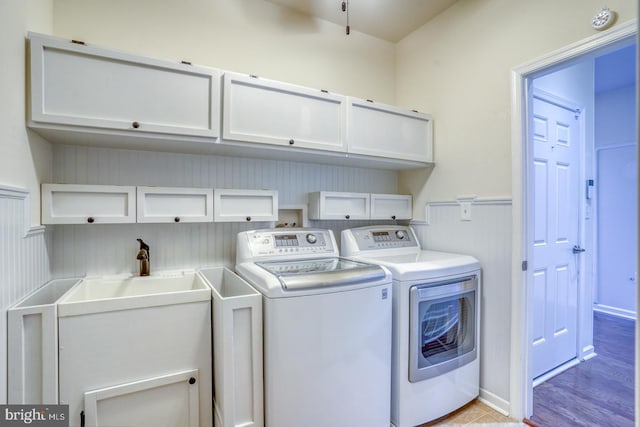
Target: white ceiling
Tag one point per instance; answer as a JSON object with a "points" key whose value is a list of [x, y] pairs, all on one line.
{"points": [[390, 20]]}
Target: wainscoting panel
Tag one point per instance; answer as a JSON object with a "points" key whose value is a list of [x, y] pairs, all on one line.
{"points": [[106, 249], [24, 261], [487, 236]]}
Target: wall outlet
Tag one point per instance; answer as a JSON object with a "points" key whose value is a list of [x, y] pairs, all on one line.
{"points": [[465, 211]]}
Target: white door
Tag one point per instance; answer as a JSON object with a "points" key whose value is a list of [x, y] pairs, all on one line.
{"points": [[554, 177]]}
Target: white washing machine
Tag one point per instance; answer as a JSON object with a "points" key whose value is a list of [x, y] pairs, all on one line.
{"points": [[436, 316], [327, 329]]}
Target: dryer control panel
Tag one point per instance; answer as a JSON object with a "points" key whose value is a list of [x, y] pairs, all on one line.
{"points": [[379, 237]]}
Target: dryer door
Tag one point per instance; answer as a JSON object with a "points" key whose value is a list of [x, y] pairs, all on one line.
{"points": [[442, 327]]}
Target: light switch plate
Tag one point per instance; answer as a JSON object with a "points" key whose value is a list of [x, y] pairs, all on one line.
{"points": [[465, 211]]}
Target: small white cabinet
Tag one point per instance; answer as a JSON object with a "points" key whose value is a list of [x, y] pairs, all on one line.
{"points": [[270, 112], [376, 129], [232, 205], [391, 206], [88, 204], [162, 204], [338, 205], [77, 86]]}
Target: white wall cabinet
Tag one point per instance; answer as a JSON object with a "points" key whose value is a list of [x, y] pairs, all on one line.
{"points": [[232, 205], [77, 86], [381, 130], [391, 206], [88, 204], [163, 204], [338, 205], [270, 112]]}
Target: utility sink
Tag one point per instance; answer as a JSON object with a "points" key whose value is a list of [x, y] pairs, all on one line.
{"points": [[112, 293]]}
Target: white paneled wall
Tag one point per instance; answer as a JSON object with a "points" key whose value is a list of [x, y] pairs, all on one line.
{"points": [[487, 236], [100, 249], [24, 261]]}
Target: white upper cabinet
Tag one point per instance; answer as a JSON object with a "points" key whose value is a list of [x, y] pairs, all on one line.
{"points": [[338, 205], [233, 205], [73, 85], [391, 206], [270, 112], [376, 129], [160, 204], [88, 204]]}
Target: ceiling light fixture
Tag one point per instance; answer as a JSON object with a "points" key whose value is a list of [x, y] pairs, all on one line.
{"points": [[345, 8]]}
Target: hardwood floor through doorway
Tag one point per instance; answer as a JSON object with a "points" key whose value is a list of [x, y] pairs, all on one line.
{"points": [[598, 392]]}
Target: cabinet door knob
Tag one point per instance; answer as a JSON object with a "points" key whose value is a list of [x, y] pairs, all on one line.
{"points": [[90, 220], [248, 218], [393, 217], [176, 219], [192, 380], [135, 125], [291, 142], [347, 216]]}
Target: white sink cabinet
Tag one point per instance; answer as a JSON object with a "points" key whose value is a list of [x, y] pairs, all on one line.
{"points": [[137, 351]]}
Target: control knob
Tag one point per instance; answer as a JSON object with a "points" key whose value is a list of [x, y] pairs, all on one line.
{"points": [[311, 238], [400, 234]]}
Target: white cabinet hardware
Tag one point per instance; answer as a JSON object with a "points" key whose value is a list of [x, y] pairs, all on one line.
{"points": [[176, 205], [88, 204], [233, 205]]}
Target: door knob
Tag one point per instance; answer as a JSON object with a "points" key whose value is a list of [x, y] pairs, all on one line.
{"points": [[577, 249]]}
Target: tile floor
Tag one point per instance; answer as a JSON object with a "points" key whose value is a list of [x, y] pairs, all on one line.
{"points": [[475, 414]]}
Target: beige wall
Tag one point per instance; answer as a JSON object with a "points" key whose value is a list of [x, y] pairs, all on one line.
{"points": [[25, 158], [458, 66], [248, 36]]}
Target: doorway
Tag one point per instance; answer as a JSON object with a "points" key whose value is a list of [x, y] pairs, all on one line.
{"points": [[521, 393]]}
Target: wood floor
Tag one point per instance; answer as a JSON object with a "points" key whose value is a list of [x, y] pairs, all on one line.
{"points": [[598, 392]]}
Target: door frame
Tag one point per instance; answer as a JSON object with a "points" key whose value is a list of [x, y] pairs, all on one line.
{"points": [[521, 385]]}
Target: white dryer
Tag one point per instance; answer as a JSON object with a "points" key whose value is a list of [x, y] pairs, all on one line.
{"points": [[436, 316], [327, 329]]}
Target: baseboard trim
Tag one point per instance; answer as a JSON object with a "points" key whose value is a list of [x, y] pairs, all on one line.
{"points": [[614, 311], [495, 402], [552, 373]]}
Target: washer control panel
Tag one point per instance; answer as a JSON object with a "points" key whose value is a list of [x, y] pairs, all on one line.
{"points": [[276, 243], [379, 237]]}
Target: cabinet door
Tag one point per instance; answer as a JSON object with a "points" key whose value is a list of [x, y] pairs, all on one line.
{"points": [[337, 205], [381, 130], [88, 204], [270, 112], [159, 204], [166, 400], [244, 205], [84, 86], [391, 206]]}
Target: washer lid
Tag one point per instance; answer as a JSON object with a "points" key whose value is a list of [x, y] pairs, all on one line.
{"points": [[425, 265], [318, 273]]}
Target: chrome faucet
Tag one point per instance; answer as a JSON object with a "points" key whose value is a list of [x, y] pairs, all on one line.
{"points": [[143, 257]]}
